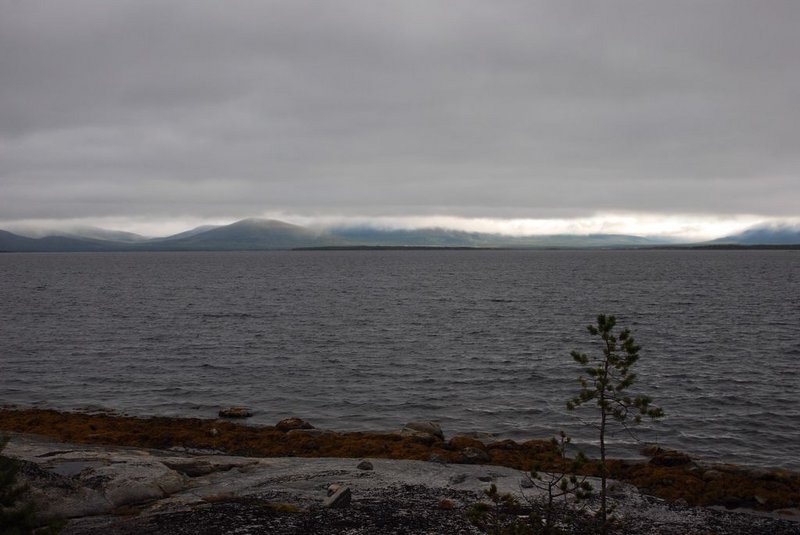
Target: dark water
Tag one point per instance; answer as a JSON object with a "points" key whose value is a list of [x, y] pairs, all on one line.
{"points": [[479, 340]]}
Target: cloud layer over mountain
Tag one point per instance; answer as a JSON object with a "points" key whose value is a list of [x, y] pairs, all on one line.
{"points": [[530, 110]]}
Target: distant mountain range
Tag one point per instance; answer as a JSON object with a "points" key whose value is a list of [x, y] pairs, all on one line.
{"points": [[764, 235], [266, 234]]}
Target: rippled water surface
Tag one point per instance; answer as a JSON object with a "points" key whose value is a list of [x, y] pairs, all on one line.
{"points": [[479, 340]]}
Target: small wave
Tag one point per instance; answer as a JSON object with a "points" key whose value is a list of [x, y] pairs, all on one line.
{"points": [[213, 366], [226, 315]]}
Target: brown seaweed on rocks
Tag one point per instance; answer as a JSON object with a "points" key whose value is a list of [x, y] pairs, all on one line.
{"points": [[671, 476]]}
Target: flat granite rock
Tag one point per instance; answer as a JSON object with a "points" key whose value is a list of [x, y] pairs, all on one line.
{"points": [[227, 494]]}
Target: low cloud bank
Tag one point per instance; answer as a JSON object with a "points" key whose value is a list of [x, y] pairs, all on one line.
{"points": [[679, 228]]}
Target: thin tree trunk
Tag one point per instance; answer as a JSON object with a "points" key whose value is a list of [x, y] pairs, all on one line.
{"points": [[603, 473], [603, 416]]}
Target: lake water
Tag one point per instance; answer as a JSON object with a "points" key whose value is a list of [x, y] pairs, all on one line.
{"points": [[355, 340]]}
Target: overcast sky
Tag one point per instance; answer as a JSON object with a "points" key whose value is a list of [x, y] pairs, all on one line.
{"points": [[642, 116]]}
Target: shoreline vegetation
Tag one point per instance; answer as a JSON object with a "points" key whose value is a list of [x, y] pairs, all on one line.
{"points": [[667, 474]]}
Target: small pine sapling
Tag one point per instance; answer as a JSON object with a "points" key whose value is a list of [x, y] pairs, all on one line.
{"points": [[500, 516], [561, 488], [607, 378]]}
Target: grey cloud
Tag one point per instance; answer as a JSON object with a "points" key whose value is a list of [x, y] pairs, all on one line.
{"points": [[490, 109]]}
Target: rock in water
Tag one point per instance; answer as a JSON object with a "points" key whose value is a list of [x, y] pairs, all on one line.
{"points": [[235, 412], [424, 427], [339, 499], [288, 424]]}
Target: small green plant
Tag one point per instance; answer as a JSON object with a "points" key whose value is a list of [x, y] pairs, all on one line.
{"points": [[564, 489], [501, 516], [607, 378], [16, 517]]}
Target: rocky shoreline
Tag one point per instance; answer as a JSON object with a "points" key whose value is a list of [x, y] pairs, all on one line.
{"points": [[115, 474]]}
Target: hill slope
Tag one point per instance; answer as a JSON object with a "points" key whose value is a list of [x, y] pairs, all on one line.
{"points": [[14, 243], [266, 234], [247, 234], [764, 235]]}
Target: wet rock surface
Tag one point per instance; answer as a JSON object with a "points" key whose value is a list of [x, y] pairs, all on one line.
{"points": [[166, 492], [423, 428], [235, 412], [293, 424]]}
